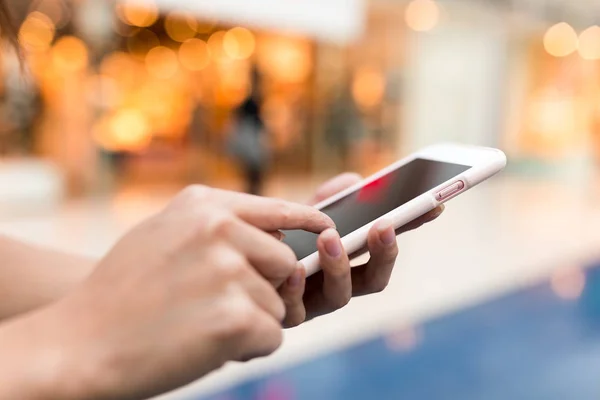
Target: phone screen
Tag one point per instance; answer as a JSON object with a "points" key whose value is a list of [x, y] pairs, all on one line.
{"points": [[377, 199]]}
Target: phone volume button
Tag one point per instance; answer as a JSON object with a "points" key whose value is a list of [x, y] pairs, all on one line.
{"points": [[451, 190]]}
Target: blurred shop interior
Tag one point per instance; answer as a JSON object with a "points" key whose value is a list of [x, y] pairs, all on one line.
{"points": [[115, 95]]}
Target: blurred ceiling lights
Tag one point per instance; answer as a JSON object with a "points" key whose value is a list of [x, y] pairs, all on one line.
{"points": [[422, 15]]}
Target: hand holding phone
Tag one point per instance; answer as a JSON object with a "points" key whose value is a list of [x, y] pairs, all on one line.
{"points": [[399, 193]]}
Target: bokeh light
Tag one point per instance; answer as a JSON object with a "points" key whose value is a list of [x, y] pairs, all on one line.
{"points": [[125, 130], [589, 43], [561, 40], [138, 14], [239, 43], [285, 59], [204, 27], [422, 15], [122, 68], [70, 54], [194, 54], [161, 62], [180, 26], [215, 44], [142, 42], [368, 87], [37, 32]]}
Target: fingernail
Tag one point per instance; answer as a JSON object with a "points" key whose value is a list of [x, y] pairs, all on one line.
{"points": [[333, 247], [296, 278], [386, 233]]}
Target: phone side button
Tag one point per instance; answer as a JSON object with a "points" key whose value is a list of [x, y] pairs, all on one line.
{"points": [[450, 190]]}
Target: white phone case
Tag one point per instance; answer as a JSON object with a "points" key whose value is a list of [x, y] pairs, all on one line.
{"points": [[484, 162]]}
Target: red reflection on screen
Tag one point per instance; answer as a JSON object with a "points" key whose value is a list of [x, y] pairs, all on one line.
{"points": [[373, 191]]}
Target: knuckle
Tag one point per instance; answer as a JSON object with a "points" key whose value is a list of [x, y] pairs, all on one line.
{"points": [[378, 286], [239, 315], [289, 260], [195, 192], [340, 301], [296, 318], [220, 224], [283, 211], [232, 266]]}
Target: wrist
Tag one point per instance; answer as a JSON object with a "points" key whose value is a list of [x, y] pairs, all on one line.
{"points": [[40, 359]]}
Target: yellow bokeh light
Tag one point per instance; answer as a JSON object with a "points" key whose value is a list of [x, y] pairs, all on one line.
{"points": [[180, 27], [561, 40], [422, 15], [239, 43], [141, 43], [368, 87], [37, 32], [134, 13], [161, 62], [589, 43], [126, 130], [215, 44], [194, 54], [70, 54]]}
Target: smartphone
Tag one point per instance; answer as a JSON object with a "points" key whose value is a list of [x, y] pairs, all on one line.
{"points": [[399, 193]]}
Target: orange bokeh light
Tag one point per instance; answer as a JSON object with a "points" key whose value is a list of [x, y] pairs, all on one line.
{"points": [[70, 54], [162, 63], [285, 59], [239, 43], [194, 54], [138, 14], [422, 15], [126, 130], [37, 32], [142, 42], [561, 40], [589, 43], [215, 44], [180, 26], [368, 87]]}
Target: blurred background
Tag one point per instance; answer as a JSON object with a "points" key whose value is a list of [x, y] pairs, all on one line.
{"points": [[120, 104], [151, 93]]}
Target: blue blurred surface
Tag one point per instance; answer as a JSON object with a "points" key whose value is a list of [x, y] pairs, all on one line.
{"points": [[526, 345]]}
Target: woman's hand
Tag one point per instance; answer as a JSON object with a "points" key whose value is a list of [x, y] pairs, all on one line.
{"points": [[181, 294], [332, 288]]}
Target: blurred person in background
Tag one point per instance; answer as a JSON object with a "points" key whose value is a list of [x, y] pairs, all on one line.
{"points": [[249, 140], [203, 282], [344, 125]]}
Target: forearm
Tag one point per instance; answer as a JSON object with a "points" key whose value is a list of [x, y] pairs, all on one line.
{"points": [[31, 277]]}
